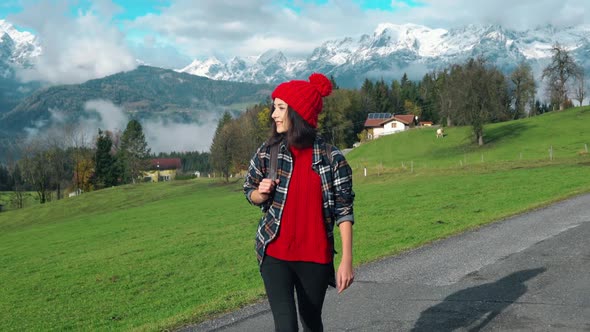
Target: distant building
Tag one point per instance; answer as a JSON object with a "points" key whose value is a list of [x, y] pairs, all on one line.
{"points": [[380, 124], [162, 169], [75, 193]]}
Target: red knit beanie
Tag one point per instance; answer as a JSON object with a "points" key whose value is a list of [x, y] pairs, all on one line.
{"points": [[305, 97]]}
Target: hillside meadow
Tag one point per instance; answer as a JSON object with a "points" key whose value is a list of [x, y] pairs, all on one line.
{"points": [[158, 256]]}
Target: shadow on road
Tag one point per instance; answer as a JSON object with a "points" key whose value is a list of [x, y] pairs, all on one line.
{"points": [[473, 308]]}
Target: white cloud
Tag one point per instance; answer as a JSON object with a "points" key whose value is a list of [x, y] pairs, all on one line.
{"points": [[75, 48], [178, 136], [414, 72], [90, 45], [153, 53], [246, 28], [524, 14], [225, 28], [161, 135], [109, 116]]}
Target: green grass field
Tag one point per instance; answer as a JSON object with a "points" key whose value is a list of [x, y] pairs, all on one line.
{"points": [[161, 255]]}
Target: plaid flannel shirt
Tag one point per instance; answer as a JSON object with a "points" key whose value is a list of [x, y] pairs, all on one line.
{"points": [[337, 193]]}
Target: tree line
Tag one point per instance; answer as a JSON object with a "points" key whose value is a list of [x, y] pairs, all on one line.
{"points": [[65, 159], [472, 93], [469, 94]]}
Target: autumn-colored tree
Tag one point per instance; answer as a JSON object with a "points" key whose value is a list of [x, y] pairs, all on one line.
{"points": [[411, 108], [263, 123], [84, 174]]}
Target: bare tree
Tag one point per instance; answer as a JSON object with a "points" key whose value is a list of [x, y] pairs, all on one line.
{"points": [[524, 89], [36, 170], [558, 72], [58, 159], [580, 87]]}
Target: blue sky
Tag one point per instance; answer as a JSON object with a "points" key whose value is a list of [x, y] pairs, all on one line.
{"points": [[130, 9], [109, 35], [136, 8]]}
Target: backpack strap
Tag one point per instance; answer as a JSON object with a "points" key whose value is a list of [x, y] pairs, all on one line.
{"points": [[274, 157], [328, 148]]}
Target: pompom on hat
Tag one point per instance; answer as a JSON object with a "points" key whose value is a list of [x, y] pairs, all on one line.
{"points": [[305, 97]]}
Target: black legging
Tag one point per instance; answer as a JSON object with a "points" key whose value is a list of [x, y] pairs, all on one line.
{"points": [[311, 282]]}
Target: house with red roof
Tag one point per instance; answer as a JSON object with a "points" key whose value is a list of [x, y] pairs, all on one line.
{"points": [[380, 124], [162, 169]]}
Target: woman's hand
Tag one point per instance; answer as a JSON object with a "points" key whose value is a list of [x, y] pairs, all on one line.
{"points": [[345, 275], [265, 189], [267, 186]]}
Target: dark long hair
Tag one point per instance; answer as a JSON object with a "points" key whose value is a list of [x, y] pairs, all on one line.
{"points": [[300, 133]]}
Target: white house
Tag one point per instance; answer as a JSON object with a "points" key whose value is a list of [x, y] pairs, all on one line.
{"points": [[380, 124]]}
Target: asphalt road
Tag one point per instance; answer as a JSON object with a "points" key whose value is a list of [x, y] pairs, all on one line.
{"points": [[527, 273]]}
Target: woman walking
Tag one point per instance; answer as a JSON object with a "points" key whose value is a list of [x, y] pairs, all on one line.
{"points": [[304, 188]]}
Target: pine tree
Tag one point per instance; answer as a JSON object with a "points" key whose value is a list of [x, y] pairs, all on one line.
{"points": [[134, 152], [104, 163], [4, 178]]}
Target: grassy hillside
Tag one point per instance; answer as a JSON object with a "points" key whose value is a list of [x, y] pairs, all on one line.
{"points": [[157, 256], [525, 139]]}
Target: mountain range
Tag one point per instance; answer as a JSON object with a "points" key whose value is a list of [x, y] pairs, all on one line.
{"points": [[144, 93], [393, 49], [390, 51]]}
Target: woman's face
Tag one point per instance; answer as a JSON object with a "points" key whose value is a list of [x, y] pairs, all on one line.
{"points": [[280, 116]]}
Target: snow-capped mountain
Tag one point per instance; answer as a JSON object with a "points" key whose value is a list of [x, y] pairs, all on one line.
{"points": [[17, 49], [390, 51], [269, 67], [393, 49]]}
